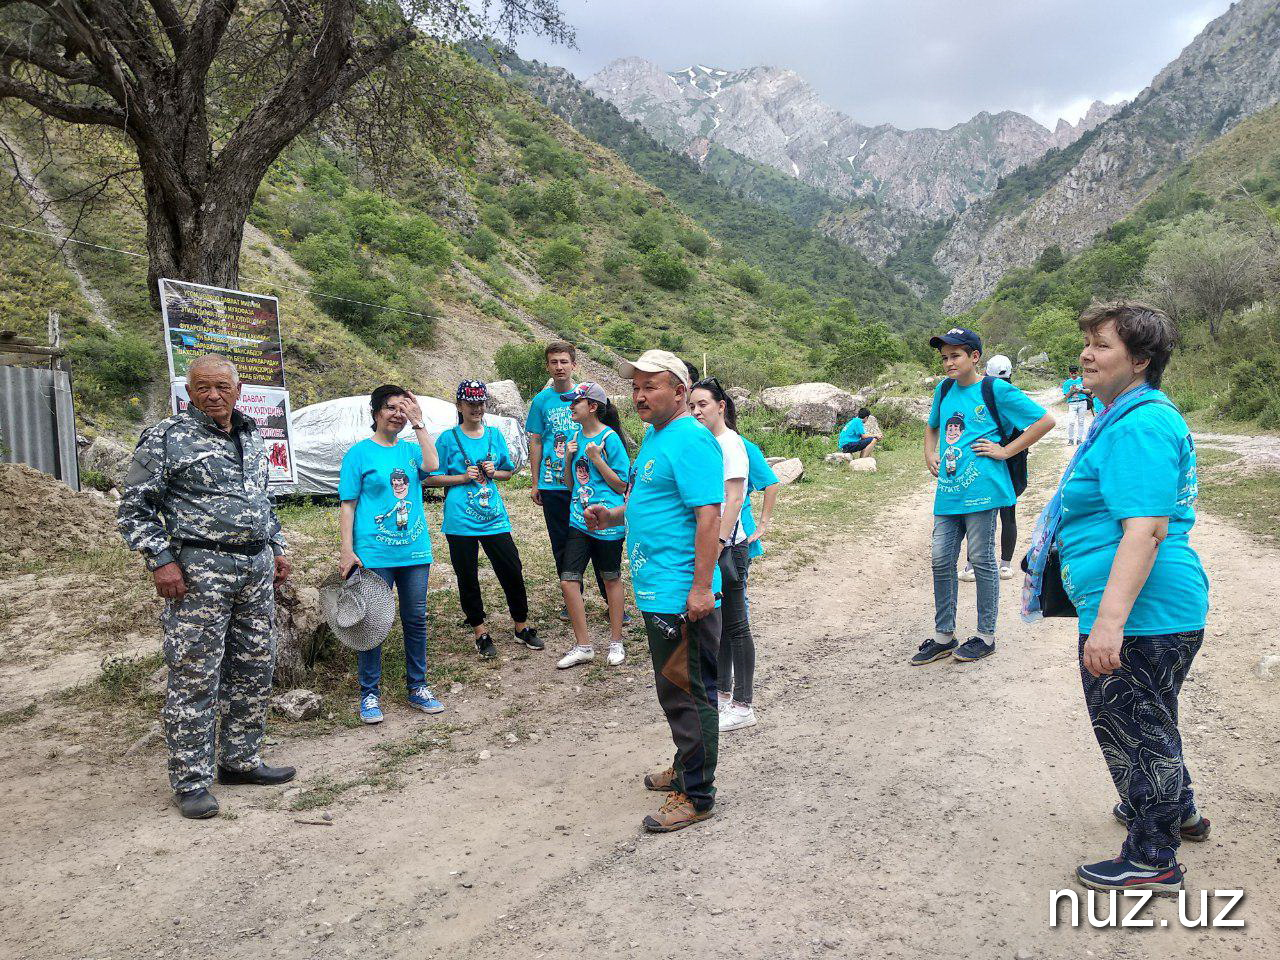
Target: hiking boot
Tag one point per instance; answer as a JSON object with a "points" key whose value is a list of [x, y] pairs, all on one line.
{"points": [[529, 637], [1122, 874], [575, 656], [663, 782], [932, 650], [485, 647], [1196, 830], [975, 648], [197, 804], [259, 776], [676, 813]]}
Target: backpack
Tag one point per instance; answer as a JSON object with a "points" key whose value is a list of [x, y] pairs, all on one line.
{"points": [[1017, 464]]}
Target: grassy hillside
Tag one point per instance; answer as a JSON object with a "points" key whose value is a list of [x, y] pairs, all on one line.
{"points": [[532, 230], [1214, 223]]}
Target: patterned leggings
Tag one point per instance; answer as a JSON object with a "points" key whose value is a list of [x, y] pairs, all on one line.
{"points": [[1134, 712]]}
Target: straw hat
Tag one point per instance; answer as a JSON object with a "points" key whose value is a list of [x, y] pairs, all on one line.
{"points": [[359, 609]]}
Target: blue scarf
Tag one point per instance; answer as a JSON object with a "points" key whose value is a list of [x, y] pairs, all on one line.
{"points": [[1045, 533]]}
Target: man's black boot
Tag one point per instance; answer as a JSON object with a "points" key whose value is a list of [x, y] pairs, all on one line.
{"points": [[197, 804], [261, 775]]}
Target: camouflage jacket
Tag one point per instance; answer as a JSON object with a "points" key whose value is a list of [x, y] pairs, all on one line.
{"points": [[187, 482]]}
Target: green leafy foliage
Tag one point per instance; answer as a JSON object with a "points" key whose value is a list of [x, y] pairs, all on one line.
{"points": [[559, 256], [525, 364], [666, 269], [623, 336], [482, 244]]}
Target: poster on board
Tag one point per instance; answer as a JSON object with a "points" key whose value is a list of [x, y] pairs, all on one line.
{"points": [[243, 327], [269, 409]]}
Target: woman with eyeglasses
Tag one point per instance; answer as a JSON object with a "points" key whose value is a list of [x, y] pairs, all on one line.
{"points": [[714, 409], [474, 459], [382, 527]]}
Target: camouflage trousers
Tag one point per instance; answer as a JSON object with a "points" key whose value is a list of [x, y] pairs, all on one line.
{"points": [[219, 643]]}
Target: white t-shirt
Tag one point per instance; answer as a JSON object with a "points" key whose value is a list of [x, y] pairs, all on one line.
{"points": [[736, 467]]}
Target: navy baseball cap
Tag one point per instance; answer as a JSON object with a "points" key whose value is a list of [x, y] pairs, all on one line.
{"points": [[957, 337]]}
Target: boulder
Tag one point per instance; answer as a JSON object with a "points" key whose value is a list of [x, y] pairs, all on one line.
{"points": [[297, 704], [1262, 669], [838, 458], [1036, 364], [812, 407], [505, 400], [109, 457], [789, 471], [300, 630], [863, 465], [774, 461]]}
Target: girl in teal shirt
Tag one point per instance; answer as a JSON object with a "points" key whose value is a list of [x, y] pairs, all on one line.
{"points": [[474, 459]]}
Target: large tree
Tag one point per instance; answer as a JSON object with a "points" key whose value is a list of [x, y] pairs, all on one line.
{"points": [[207, 93]]}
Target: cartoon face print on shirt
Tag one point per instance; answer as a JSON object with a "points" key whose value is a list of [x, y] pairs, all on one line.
{"points": [[954, 431], [399, 514], [585, 490]]}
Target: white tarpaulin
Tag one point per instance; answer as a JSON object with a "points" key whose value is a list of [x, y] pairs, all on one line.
{"points": [[324, 432]]}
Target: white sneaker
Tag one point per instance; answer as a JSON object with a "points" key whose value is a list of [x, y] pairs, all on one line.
{"points": [[575, 656], [1006, 572], [736, 717], [616, 655], [967, 575], [723, 701]]}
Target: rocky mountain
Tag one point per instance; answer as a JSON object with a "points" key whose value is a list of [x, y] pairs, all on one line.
{"points": [[774, 117], [1230, 71]]}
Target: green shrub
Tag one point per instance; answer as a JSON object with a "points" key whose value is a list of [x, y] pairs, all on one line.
{"points": [[695, 241], [745, 278], [415, 237], [702, 320], [614, 260], [522, 201], [113, 364], [664, 268], [95, 480], [649, 234], [482, 244], [325, 251], [495, 218], [524, 363], [559, 256], [1253, 391], [560, 202], [861, 355], [623, 336]]}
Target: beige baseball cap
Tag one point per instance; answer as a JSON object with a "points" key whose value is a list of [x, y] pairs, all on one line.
{"points": [[656, 361]]}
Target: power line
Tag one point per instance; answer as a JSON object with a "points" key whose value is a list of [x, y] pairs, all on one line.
{"points": [[260, 281]]}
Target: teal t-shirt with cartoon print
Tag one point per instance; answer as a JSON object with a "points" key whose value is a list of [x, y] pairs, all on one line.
{"points": [[390, 528], [473, 509], [551, 418], [589, 486], [968, 483], [1143, 465]]}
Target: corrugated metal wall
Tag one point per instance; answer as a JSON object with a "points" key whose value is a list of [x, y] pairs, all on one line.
{"points": [[37, 421]]}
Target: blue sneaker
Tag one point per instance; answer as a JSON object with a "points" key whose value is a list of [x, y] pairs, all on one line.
{"points": [[932, 650], [423, 699], [1122, 874], [370, 711], [1195, 829]]}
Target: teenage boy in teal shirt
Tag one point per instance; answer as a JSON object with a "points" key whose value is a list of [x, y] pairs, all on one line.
{"points": [[962, 449], [672, 513], [550, 426]]}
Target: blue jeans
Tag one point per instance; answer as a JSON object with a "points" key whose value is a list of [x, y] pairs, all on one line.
{"points": [[948, 531], [410, 584]]}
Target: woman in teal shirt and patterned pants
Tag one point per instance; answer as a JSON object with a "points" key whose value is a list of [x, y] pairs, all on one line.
{"points": [[1126, 509]]}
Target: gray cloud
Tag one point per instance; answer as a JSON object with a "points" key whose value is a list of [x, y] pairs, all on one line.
{"points": [[907, 62]]}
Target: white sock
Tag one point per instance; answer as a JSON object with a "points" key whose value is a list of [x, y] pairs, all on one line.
{"points": [[943, 638], [987, 637]]}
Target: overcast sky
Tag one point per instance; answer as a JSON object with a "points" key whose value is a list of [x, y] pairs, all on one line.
{"points": [[911, 63]]}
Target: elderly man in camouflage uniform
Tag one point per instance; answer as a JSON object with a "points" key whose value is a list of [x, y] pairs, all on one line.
{"points": [[195, 504]]}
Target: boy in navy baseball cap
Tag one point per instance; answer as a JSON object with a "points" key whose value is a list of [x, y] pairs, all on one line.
{"points": [[973, 485]]}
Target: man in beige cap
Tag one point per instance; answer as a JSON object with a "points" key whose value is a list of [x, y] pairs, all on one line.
{"points": [[672, 513]]}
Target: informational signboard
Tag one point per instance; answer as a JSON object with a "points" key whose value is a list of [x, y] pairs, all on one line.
{"points": [[269, 408], [244, 328]]}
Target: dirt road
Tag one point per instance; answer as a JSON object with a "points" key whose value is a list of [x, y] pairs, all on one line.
{"points": [[876, 811]]}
